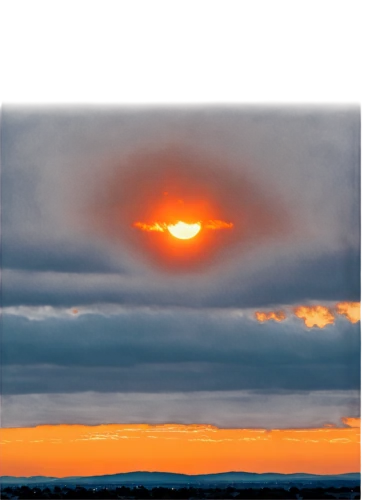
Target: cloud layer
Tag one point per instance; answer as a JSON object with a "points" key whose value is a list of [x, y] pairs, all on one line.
{"points": [[231, 409], [150, 350]]}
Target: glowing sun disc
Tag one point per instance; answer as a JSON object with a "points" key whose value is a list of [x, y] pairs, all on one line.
{"points": [[184, 231]]}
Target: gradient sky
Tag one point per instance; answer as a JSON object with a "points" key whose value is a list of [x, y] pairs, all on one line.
{"points": [[104, 325]]}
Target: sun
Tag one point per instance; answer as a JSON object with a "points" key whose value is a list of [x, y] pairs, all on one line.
{"points": [[184, 231]]}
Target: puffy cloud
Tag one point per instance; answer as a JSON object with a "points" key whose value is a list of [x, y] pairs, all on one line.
{"points": [[351, 310], [319, 316], [266, 316]]}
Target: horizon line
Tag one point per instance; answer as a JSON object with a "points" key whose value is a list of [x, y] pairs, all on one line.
{"points": [[190, 475]]}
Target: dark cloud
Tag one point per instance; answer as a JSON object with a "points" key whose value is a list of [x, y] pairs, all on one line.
{"points": [[176, 351], [242, 409]]}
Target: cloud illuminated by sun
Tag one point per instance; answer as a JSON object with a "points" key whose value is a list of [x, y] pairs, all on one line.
{"points": [[183, 230]]}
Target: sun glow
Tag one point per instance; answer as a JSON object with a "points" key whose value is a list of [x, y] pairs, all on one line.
{"points": [[184, 231]]}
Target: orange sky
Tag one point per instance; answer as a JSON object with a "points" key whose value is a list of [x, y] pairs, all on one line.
{"points": [[64, 450]]}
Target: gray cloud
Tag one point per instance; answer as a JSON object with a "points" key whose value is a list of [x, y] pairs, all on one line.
{"points": [[236, 409]]}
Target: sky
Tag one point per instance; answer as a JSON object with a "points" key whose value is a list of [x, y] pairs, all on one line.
{"points": [[250, 327]]}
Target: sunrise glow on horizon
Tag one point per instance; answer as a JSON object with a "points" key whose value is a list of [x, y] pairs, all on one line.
{"points": [[64, 450]]}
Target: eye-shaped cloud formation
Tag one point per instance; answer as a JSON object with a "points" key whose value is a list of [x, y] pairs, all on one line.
{"points": [[268, 172], [136, 200]]}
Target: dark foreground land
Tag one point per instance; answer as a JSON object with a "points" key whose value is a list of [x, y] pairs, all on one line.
{"points": [[140, 492]]}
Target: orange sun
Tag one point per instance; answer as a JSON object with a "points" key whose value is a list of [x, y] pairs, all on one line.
{"points": [[184, 231]]}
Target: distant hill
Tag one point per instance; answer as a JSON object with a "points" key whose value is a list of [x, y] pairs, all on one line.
{"points": [[152, 479]]}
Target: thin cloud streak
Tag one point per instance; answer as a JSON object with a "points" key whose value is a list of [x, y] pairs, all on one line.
{"points": [[314, 315]]}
